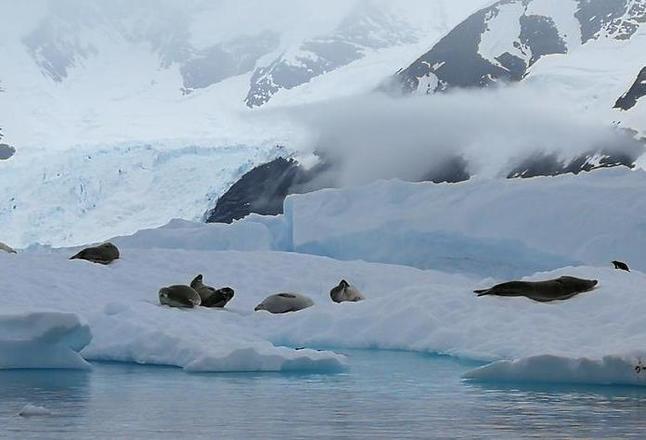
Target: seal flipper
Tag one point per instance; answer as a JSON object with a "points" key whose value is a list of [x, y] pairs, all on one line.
{"points": [[483, 292]]}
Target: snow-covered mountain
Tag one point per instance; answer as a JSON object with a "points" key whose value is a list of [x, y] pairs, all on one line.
{"points": [[503, 41]]}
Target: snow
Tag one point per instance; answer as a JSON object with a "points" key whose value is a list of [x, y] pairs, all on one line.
{"points": [[563, 14], [503, 29], [42, 339]]}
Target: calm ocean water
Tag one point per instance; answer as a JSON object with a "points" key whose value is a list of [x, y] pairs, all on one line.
{"points": [[385, 395]]}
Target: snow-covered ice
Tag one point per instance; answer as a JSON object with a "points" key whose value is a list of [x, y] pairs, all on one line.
{"points": [[501, 228], [41, 339], [567, 223]]}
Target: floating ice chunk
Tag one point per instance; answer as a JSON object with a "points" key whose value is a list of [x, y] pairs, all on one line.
{"points": [[43, 340], [609, 370], [30, 410]]}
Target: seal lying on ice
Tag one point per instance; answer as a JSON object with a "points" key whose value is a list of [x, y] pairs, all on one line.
{"points": [[285, 302], [179, 296], [543, 291], [104, 253], [345, 292], [211, 297]]}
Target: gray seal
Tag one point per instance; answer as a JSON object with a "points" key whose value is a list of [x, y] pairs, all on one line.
{"points": [[179, 296], [104, 253], [211, 297], [543, 291], [345, 292], [285, 302], [7, 249]]}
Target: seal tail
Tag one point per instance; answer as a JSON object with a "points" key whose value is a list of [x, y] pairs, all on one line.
{"points": [[482, 292]]}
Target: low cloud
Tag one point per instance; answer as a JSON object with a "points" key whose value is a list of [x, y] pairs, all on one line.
{"points": [[379, 136]]}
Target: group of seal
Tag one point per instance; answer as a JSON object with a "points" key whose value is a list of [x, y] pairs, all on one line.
{"points": [[197, 294]]}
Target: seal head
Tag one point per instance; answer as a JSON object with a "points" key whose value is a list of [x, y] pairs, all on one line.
{"points": [[345, 292]]}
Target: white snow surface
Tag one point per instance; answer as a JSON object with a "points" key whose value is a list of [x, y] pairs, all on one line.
{"points": [[33, 339]]}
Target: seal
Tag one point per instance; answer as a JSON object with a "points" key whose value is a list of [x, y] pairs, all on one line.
{"points": [[543, 291], [105, 253], [620, 265], [345, 292], [179, 296], [7, 249], [211, 297], [285, 302]]}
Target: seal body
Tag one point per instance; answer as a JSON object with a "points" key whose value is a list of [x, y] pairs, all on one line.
{"points": [[285, 302], [345, 292], [544, 291], [211, 297], [179, 296], [105, 253], [620, 265], [7, 249]]}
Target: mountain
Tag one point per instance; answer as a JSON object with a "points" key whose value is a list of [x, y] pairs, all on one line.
{"points": [[502, 42]]}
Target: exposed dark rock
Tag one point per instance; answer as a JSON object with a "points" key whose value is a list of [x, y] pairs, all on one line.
{"points": [[551, 165], [263, 190], [637, 91], [6, 151]]}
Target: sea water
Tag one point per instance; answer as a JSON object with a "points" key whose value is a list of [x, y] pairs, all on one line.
{"points": [[384, 395]]}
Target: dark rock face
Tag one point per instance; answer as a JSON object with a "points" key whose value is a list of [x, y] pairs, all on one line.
{"points": [[262, 190], [551, 165], [637, 91], [619, 18]]}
